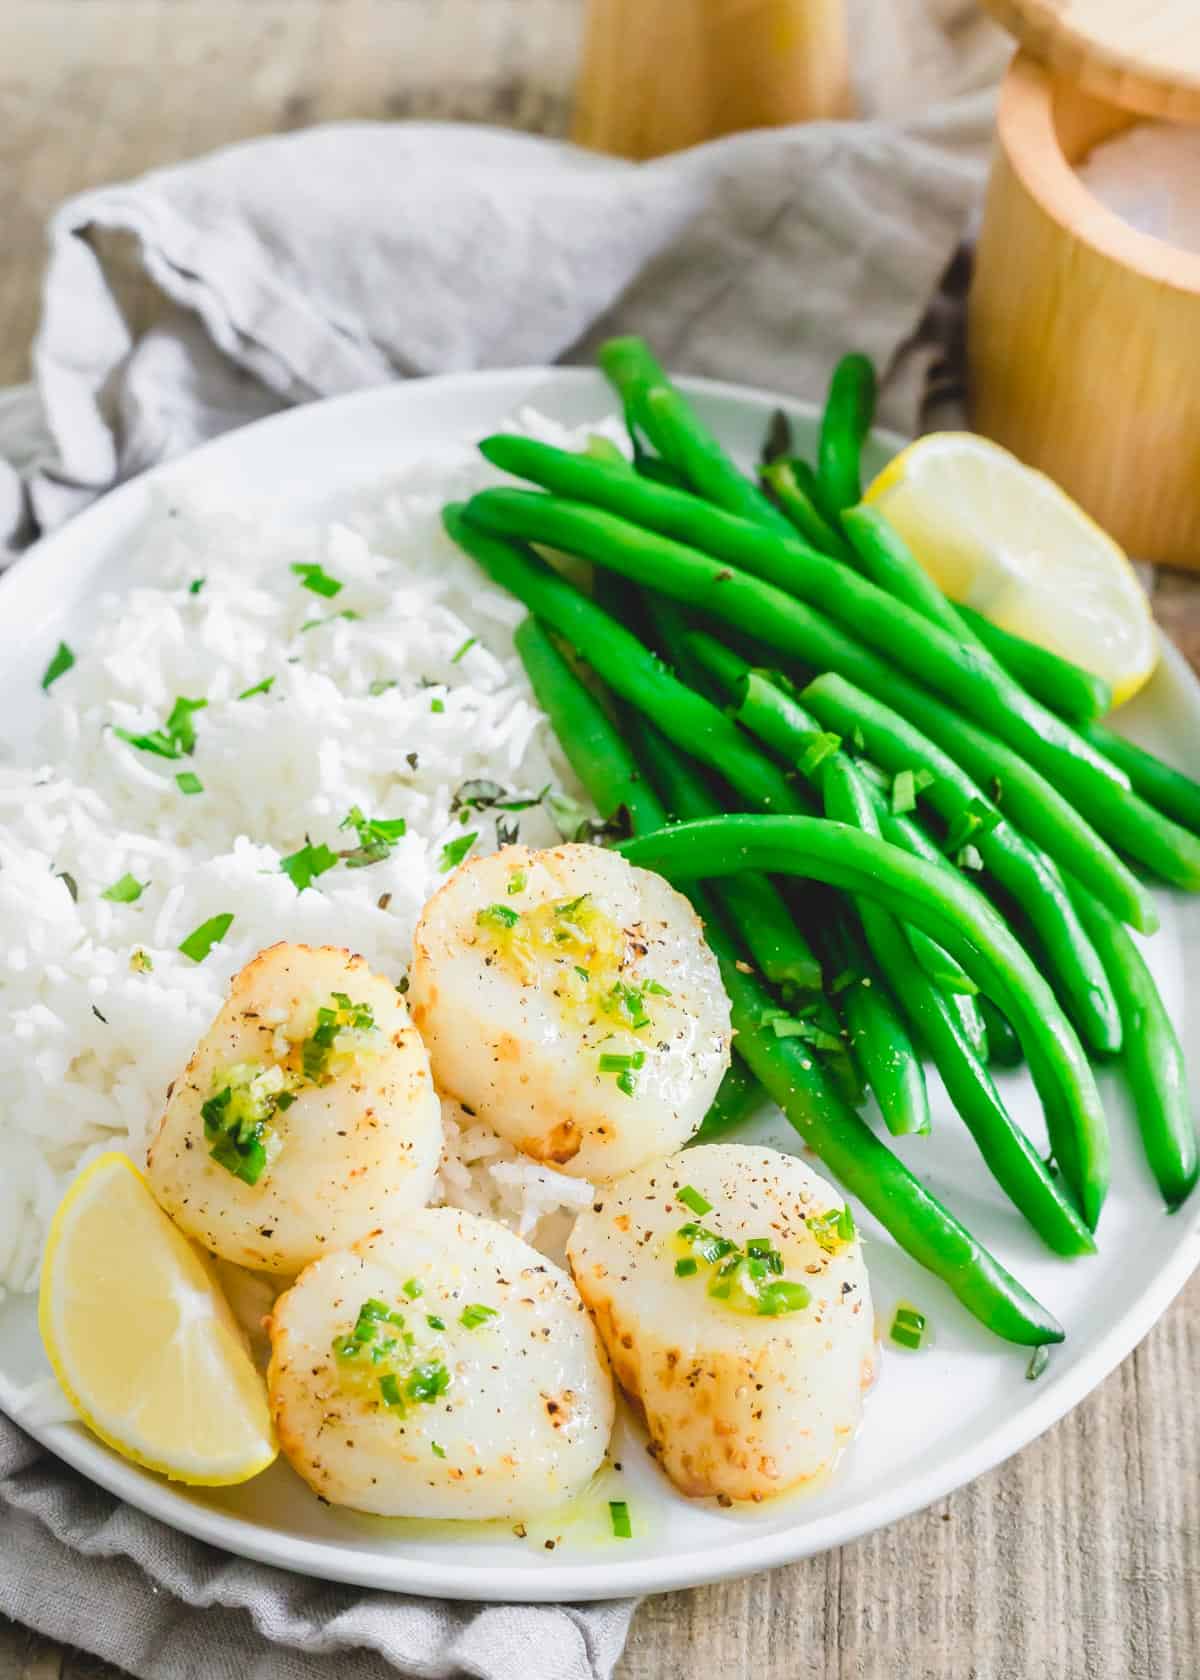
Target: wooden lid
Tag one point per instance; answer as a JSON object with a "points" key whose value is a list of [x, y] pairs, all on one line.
{"points": [[1141, 56]]}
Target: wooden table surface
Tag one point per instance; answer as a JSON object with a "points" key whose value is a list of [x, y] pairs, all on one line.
{"points": [[1079, 1559]]}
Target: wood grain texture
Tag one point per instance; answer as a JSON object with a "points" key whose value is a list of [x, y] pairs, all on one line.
{"points": [[98, 90], [1080, 1558], [1143, 57], [734, 64], [1085, 355]]}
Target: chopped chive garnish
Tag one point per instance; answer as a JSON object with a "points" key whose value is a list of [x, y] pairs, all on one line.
{"points": [[59, 665], [975, 819], [454, 851], [176, 739], [434, 1322], [381, 686], [615, 1061], [625, 1066], [263, 687], [436, 705], [748, 1278], [628, 1003], [464, 649], [303, 867], [497, 915], [582, 973], [438, 1452], [201, 940], [141, 961], [427, 1382], [908, 1327], [180, 727], [819, 748], [380, 1344], [245, 1159], [187, 781], [413, 1288], [68, 881], [789, 1026], [317, 1048], [476, 1314], [516, 882], [618, 1511], [694, 1201], [376, 837], [656, 990], [570, 905], [706, 1244], [317, 579], [833, 1229], [781, 1297], [906, 785], [1038, 1362], [124, 891], [904, 792], [237, 1127], [196, 585], [601, 448]]}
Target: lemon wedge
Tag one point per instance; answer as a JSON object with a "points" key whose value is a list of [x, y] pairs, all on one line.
{"points": [[1004, 539], [141, 1338]]}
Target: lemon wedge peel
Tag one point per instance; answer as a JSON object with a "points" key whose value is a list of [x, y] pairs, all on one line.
{"points": [[206, 1341], [1003, 538]]}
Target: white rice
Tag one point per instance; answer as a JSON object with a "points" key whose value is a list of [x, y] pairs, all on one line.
{"points": [[88, 1041]]}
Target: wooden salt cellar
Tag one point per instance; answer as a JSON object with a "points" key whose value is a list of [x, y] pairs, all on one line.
{"points": [[1084, 334], [659, 75]]}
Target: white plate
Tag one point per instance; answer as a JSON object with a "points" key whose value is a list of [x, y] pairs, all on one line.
{"points": [[937, 1418]]}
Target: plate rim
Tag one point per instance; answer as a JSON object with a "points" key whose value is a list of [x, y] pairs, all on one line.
{"points": [[600, 1579]]}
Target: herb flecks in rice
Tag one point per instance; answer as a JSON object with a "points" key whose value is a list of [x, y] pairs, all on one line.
{"points": [[294, 731]]}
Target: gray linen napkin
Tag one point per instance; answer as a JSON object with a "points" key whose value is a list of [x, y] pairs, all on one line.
{"points": [[308, 265], [81, 1567]]}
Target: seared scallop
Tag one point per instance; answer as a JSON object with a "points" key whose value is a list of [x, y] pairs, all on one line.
{"points": [[570, 1001], [729, 1287], [306, 1117], [442, 1368]]}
